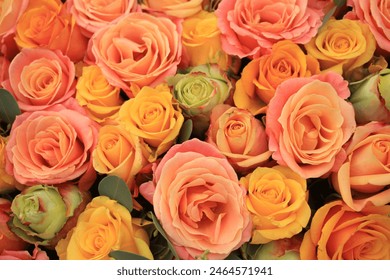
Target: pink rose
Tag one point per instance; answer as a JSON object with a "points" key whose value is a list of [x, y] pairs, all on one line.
{"points": [[139, 50], [52, 147], [376, 14], [4, 65], [40, 78], [10, 11], [365, 175], [37, 254], [92, 15], [308, 122], [250, 27], [199, 201], [173, 8]]}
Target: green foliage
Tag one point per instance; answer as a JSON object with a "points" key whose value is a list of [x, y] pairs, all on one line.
{"points": [[9, 109], [123, 255], [185, 131], [116, 189]]}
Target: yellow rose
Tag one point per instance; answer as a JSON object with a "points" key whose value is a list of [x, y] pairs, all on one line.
{"points": [[277, 202], [155, 117], [7, 182], [101, 100], [260, 77], [119, 153], [342, 46], [104, 226]]}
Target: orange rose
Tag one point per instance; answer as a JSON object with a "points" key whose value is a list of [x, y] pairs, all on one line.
{"points": [[46, 23], [261, 76], [339, 233], [365, 176], [7, 182], [175, 8]]}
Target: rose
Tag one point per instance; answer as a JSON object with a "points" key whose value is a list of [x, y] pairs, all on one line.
{"points": [[37, 254], [147, 53], [199, 202], [52, 147], [93, 92], [376, 15], [47, 24], [175, 8], [4, 65], [7, 182], [371, 99], [40, 78], [277, 202], [8, 239], [91, 15], [155, 117], [339, 233], [281, 249], [104, 226], [41, 214], [239, 136], [308, 122], [201, 41], [11, 10], [249, 30], [261, 76], [342, 46], [365, 175], [120, 153]]}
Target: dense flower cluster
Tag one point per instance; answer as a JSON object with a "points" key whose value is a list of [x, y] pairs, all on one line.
{"points": [[194, 129]]}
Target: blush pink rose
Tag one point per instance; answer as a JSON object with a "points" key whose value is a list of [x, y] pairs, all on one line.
{"points": [[52, 147], [308, 121], [139, 50], [40, 78], [250, 27], [37, 254], [365, 175], [199, 201], [376, 14]]}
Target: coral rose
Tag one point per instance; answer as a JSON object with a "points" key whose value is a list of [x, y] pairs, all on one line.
{"points": [[174, 8], [52, 147], [92, 15], [40, 78], [239, 136], [47, 24], [37, 254], [342, 46], [376, 14], [277, 202], [104, 226], [143, 55], [250, 28], [199, 201], [339, 233], [308, 122], [7, 182], [365, 175], [261, 76], [10, 12], [4, 66]]}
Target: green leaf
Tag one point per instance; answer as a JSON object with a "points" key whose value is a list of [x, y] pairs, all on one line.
{"points": [[233, 256], [9, 108], [185, 131], [162, 232], [115, 188], [123, 255], [328, 15], [249, 250], [340, 3]]}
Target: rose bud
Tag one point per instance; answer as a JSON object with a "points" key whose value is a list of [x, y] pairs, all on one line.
{"points": [[281, 249]]}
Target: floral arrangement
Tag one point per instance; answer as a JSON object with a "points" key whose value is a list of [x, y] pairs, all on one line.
{"points": [[194, 129]]}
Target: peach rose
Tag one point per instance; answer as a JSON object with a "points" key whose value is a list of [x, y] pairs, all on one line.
{"points": [[199, 201], [8, 240], [342, 46], [46, 23], [308, 122], [376, 14], [40, 78], [365, 175], [93, 92], [7, 182], [174, 8], [10, 12], [4, 66], [104, 226], [239, 136], [37, 254], [339, 233], [143, 55], [155, 117], [92, 15], [261, 76], [120, 153], [250, 28], [277, 202], [52, 147]]}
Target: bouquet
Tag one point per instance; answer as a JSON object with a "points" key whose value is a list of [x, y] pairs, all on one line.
{"points": [[194, 129]]}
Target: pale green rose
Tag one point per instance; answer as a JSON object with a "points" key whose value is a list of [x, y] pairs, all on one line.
{"points": [[370, 98], [282, 249], [41, 211]]}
